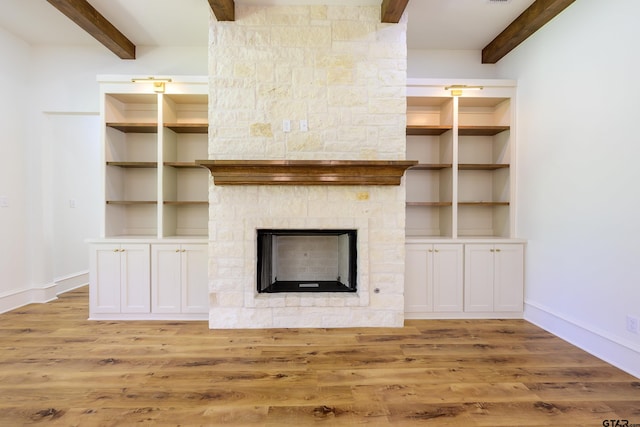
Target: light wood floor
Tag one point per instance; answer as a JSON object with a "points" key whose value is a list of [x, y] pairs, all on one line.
{"points": [[57, 368]]}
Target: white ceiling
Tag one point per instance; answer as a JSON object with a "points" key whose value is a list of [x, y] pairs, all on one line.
{"points": [[433, 24]]}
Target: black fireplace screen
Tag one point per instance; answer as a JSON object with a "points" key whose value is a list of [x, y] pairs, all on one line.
{"points": [[306, 260]]}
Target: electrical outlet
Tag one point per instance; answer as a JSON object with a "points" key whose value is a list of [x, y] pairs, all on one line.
{"points": [[304, 126], [286, 125], [632, 324], [4, 202]]}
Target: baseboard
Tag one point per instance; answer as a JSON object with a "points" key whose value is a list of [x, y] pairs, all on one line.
{"points": [[71, 282], [43, 293], [463, 315], [613, 350], [20, 298]]}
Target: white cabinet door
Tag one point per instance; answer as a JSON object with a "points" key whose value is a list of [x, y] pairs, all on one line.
{"points": [[119, 278], [179, 278], [135, 285], [509, 278], [195, 278], [104, 278], [166, 279], [417, 286], [478, 277], [433, 278], [447, 277], [494, 278]]}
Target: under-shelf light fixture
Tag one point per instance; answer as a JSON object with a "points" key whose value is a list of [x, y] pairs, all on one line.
{"points": [[456, 90], [158, 82]]}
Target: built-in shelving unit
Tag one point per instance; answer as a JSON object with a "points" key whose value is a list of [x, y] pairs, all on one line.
{"points": [[484, 166], [463, 259], [462, 185], [185, 186], [153, 186], [150, 261], [429, 184]]}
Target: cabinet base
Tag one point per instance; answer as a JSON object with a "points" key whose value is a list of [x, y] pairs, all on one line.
{"points": [[150, 316], [462, 315]]}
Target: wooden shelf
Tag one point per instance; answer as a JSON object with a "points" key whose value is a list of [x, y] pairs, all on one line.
{"points": [[481, 130], [431, 166], [201, 128], [182, 164], [462, 130], [134, 164], [429, 204], [198, 202], [132, 202], [482, 166], [134, 127], [483, 203], [427, 130], [307, 172]]}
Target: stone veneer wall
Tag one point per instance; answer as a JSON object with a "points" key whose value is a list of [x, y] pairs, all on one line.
{"points": [[342, 70]]}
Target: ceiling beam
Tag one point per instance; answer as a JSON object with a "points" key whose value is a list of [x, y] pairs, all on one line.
{"points": [[224, 10], [392, 10], [530, 21], [90, 20]]}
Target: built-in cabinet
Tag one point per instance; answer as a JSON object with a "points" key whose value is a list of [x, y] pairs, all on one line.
{"points": [[438, 269], [119, 278], [493, 278], [464, 280], [462, 194], [181, 264], [153, 193]]}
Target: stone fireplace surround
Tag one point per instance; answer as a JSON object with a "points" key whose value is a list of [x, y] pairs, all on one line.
{"points": [[233, 262], [344, 72]]}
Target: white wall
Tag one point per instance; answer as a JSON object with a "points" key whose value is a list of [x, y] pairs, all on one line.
{"points": [[454, 64], [15, 92], [578, 147], [74, 146], [51, 101]]}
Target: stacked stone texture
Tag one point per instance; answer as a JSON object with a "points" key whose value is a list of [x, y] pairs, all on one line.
{"points": [[344, 72]]}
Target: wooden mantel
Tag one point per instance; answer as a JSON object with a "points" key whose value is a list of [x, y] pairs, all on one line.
{"points": [[307, 172]]}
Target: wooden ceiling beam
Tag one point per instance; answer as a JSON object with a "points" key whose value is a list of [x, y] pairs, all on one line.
{"points": [[90, 20], [530, 21], [224, 10], [392, 10]]}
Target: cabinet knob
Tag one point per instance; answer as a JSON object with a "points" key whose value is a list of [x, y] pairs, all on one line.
{"points": [[184, 250], [437, 250], [122, 250], [492, 250], [497, 250], [177, 250], [430, 250], [116, 250]]}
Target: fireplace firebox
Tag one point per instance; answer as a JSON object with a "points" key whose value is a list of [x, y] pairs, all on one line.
{"points": [[306, 260]]}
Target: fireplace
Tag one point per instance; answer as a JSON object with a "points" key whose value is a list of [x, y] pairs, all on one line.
{"points": [[306, 261], [337, 76]]}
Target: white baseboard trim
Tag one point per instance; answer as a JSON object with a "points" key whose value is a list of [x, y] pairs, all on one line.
{"points": [[613, 350], [15, 299], [463, 315], [43, 293], [71, 282]]}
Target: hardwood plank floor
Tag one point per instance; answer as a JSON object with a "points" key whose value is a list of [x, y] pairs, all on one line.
{"points": [[57, 368]]}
